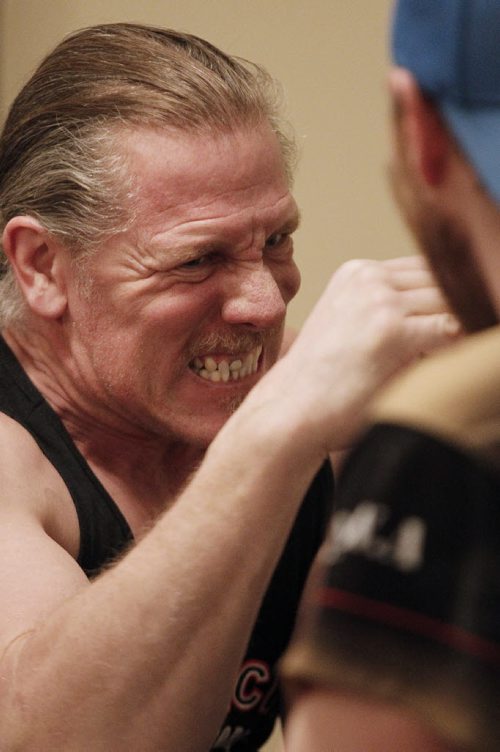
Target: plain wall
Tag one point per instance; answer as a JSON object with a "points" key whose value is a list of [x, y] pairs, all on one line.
{"points": [[330, 56]]}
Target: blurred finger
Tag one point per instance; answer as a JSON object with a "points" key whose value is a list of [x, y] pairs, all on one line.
{"points": [[407, 263], [428, 333], [424, 301], [408, 279]]}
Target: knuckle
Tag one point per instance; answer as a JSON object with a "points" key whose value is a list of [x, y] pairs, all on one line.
{"points": [[353, 265], [358, 268], [450, 326]]}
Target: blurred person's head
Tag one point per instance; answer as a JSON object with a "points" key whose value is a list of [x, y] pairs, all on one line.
{"points": [[446, 168]]}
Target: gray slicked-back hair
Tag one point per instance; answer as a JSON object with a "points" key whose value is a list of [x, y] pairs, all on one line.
{"points": [[59, 156]]}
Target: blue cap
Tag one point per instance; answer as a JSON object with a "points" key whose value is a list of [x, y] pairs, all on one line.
{"points": [[452, 47]]}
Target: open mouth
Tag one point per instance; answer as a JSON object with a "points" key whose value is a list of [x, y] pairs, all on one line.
{"points": [[217, 368]]}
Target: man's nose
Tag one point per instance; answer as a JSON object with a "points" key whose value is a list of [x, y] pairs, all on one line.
{"points": [[254, 298]]}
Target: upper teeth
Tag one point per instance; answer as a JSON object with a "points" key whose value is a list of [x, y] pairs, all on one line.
{"points": [[225, 370]]}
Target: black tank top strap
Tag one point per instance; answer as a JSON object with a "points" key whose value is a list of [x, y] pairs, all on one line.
{"points": [[104, 532]]}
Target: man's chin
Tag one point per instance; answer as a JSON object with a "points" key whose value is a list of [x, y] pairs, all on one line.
{"points": [[201, 430]]}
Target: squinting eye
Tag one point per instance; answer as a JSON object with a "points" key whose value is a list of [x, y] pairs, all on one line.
{"points": [[276, 239], [195, 263]]}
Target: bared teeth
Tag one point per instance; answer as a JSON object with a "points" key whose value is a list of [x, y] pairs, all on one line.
{"points": [[236, 369], [210, 365], [224, 370]]}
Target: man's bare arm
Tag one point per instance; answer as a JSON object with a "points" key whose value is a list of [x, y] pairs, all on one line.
{"points": [[145, 657]]}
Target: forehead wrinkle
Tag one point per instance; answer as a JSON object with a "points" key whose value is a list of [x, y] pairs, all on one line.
{"points": [[183, 180], [226, 226], [259, 196]]}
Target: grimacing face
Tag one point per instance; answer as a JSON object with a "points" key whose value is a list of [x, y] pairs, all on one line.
{"points": [[186, 310]]}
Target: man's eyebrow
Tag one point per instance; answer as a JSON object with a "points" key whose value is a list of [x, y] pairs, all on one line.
{"points": [[192, 248]]}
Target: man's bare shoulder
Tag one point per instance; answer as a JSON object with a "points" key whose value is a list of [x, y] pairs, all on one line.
{"points": [[32, 489], [39, 536]]}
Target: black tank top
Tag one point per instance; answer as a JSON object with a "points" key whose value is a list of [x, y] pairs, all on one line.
{"points": [[104, 533]]}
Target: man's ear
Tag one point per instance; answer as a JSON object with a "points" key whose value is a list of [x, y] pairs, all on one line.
{"points": [[422, 135], [37, 260]]}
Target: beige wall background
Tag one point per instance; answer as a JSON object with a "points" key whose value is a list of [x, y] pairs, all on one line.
{"points": [[331, 58]]}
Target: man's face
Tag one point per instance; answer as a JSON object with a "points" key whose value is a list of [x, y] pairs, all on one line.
{"points": [[445, 243], [186, 310]]}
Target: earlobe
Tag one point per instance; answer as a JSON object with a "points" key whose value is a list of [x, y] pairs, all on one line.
{"points": [[36, 259], [423, 135]]}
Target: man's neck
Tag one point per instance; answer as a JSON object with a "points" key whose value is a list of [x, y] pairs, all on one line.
{"points": [[142, 471], [143, 479]]}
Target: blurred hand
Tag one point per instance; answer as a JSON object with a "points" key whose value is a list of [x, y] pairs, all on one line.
{"points": [[374, 318]]}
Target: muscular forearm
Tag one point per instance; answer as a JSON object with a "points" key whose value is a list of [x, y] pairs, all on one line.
{"points": [[145, 657]]}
